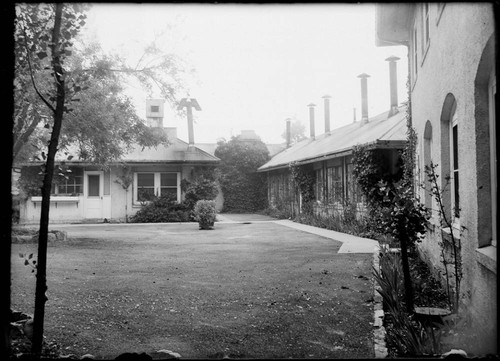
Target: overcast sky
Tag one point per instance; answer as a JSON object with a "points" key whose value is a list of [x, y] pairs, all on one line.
{"points": [[256, 65]]}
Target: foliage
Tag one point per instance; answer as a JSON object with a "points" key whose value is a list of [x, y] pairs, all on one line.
{"points": [[202, 187], [304, 179], [453, 242], [244, 189], [369, 167], [409, 336], [297, 132], [125, 179], [204, 213], [162, 209], [344, 221]]}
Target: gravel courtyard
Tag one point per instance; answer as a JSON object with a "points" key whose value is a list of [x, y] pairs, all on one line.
{"points": [[258, 290]]}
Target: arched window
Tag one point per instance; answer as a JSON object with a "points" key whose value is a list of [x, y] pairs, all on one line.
{"points": [[450, 173], [486, 155], [427, 153]]}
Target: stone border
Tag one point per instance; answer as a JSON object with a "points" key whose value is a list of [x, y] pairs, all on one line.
{"points": [[379, 332]]}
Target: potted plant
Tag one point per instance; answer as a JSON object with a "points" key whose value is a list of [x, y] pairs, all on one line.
{"points": [[204, 213]]}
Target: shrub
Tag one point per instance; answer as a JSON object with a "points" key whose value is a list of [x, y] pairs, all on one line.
{"points": [[163, 209], [204, 213], [201, 187]]}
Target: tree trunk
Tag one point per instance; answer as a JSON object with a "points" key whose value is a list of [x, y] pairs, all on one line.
{"points": [[407, 277], [41, 275]]}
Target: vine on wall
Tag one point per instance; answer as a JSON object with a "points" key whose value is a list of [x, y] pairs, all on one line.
{"points": [[304, 182]]}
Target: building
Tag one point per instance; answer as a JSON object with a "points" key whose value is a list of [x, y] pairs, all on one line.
{"points": [[328, 157], [92, 194], [452, 57]]}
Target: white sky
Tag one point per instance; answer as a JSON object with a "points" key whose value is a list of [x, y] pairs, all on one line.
{"points": [[257, 65]]}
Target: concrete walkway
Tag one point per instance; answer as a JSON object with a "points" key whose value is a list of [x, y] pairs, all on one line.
{"points": [[350, 243]]}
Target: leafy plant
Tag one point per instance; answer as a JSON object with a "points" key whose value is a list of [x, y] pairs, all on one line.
{"points": [[29, 260], [163, 209], [202, 187], [244, 189], [453, 241], [205, 213], [125, 179]]}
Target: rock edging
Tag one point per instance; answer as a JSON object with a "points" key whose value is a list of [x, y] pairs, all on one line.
{"points": [[379, 332]]}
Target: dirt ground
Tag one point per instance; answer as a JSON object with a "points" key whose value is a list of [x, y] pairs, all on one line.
{"points": [[241, 290]]}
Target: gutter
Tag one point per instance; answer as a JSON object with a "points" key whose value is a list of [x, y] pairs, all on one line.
{"points": [[377, 144]]}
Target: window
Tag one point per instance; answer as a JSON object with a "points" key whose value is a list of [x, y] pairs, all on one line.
{"points": [[428, 198], [353, 191], [335, 186], [440, 11], [492, 94], [149, 185], [415, 54], [155, 108], [71, 186], [426, 28], [319, 185], [454, 171]]}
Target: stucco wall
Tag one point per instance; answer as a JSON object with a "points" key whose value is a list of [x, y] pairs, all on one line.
{"points": [[451, 65]]}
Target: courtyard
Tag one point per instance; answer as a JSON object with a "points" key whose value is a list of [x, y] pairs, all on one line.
{"points": [[242, 290]]}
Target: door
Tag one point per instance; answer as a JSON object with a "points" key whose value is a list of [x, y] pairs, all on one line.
{"points": [[93, 189]]}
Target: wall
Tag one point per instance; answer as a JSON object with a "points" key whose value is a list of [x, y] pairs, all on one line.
{"points": [[450, 66]]}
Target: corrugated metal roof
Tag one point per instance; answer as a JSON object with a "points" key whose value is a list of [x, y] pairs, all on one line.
{"points": [[177, 151], [382, 131]]}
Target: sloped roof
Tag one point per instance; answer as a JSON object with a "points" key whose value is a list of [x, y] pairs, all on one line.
{"points": [[177, 151], [380, 131]]}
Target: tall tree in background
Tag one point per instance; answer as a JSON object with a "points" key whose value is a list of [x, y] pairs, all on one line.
{"points": [[62, 98], [244, 189], [297, 132]]}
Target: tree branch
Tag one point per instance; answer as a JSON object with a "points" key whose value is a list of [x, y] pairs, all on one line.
{"points": [[31, 74]]}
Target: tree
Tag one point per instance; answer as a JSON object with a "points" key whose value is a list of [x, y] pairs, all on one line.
{"points": [[48, 85], [297, 132], [243, 188]]}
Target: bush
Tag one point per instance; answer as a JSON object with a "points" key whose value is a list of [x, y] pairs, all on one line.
{"points": [[163, 209], [205, 213], [201, 187]]}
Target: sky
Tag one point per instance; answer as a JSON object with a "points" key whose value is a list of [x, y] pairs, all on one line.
{"points": [[257, 65]]}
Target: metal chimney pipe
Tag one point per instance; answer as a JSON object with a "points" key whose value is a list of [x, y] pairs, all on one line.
{"points": [[327, 113], [311, 119], [364, 97], [393, 79], [288, 132]]}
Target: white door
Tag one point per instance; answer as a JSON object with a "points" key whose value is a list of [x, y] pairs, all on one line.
{"points": [[93, 185]]}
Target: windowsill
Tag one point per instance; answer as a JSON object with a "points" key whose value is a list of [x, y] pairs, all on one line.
{"points": [[57, 199], [487, 256], [456, 231]]}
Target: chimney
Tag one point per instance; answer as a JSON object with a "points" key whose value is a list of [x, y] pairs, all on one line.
{"points": [[288, 132], [364, 98], [311, 119], [327, 113], [154, 112], [393, 78], [189, 103]]}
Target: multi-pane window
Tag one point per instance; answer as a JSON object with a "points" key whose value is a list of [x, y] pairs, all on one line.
{"points": [[335, 186], [319, 185], [454, 174], [353, 192], [149, 185], [492, 93], [426, 27], [73, 185], [415, 54]]}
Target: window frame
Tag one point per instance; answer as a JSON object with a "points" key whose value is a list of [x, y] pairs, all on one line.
{"points": [[493, 154], [454, 171], [56, 189], [156, 186]]}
